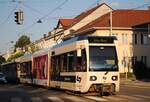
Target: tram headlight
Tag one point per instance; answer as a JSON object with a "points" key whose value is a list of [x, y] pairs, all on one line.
{"points": [[114, 78], [93, 78]]}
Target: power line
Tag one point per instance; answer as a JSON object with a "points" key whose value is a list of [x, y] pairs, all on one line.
{"points": [[2, 24], [58, 7], [29, 27], [35, 10]]}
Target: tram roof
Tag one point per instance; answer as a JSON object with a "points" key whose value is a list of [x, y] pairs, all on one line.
{"points": [[7, 63], [41, 52], [78, 38], [24, 58]]}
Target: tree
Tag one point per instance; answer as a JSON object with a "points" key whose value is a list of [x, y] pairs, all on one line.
{"points": [[33, 48], [22, 41], [13, 57], [2, 59]]}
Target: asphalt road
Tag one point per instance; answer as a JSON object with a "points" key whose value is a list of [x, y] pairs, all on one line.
{"points": [[129, 92]]}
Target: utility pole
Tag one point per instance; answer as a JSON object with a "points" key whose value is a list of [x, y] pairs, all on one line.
{"points": [[110, 23], [148, 29]]}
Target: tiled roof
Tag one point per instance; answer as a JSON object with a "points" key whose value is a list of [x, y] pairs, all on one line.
{"points": [[120, 18], [86, 13], [66, 23]]}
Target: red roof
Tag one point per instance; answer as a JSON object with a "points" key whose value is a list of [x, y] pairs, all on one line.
{"points": [[66, 23], [120, 18], [86, 13]]}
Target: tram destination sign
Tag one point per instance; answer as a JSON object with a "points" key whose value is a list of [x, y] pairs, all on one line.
{"points": [[101, 40]]}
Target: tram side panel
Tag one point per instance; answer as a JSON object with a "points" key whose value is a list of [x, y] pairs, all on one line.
{"points": [[25, 72], [11, 71], [40, 70]]}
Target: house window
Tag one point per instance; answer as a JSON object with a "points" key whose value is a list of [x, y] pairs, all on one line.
{"points": [[124, 38], [144, 59], [115, 34], [144, 39], [134, 60], [135, 39]]}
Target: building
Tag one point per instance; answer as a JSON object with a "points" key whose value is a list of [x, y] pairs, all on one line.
{"points": [[129, 26]]}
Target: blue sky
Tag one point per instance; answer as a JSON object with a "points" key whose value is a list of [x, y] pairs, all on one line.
{"points": [[36, 9]]}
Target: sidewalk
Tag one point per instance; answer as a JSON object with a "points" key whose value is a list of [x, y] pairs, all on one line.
{"points": [[135, 83]]}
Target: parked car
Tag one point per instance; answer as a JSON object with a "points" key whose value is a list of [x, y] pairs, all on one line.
{"points": [[2, 78]]}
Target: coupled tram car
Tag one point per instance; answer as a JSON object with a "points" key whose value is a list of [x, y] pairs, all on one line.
{"points": [[80, 64]]}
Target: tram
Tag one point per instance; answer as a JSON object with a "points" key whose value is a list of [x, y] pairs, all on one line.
{"points": [[80, 64], [85, 64]]}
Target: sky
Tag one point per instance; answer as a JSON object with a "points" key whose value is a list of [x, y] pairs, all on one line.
{"points": [[49, 11]]}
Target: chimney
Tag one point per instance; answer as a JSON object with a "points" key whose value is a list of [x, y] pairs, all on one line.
{"points": [[44, 35], [49, 33]]}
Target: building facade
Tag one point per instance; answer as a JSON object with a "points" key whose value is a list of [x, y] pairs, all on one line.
{"points": [[129, 26]]}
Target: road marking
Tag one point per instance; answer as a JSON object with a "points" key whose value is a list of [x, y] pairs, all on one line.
{"points": [[75, 99], [95, 98], [36, 99], [142, 96], [129, 97], [55, 99], [16, 99], [113, 98]]}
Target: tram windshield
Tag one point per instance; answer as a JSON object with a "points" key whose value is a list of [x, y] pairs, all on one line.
{"points": [[103, 58]]}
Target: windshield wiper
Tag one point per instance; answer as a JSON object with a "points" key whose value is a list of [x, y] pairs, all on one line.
{"points": [[109, 69]]}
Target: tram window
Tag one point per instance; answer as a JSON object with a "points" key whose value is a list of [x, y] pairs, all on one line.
{"points": [[83, 68], [65, 63], [55, 62], [61, 63], [52, 67], [71, 60], [81, 62], [78, 64]]}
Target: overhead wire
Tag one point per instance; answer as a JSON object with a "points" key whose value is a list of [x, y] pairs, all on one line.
{"points": [[2, 24], [29, 27], [35, 10], [52, 11]]}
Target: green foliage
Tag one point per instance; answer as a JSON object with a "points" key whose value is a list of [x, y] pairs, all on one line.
{"points": [[22, 41], [33, 48], [19, 54], [2, 59]]}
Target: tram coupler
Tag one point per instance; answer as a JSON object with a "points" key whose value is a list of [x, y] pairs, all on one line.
{"points": [[107, 88]]}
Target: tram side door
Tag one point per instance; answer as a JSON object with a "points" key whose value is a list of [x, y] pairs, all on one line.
{"points": [[55, 70]]}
